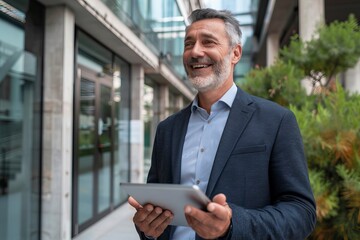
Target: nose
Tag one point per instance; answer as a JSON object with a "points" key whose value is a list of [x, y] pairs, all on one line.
{"points": [[197, 50]]}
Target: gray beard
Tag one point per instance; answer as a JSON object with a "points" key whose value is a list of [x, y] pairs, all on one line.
{"points": [[215, 80]]}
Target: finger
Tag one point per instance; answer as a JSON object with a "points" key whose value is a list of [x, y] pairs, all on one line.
{"points": [[155, 226], [216, 210], [154, 214], [143, 215], [203, 223], [219, 207], [222, 212], [220, 199], [162, 220], [192, 222], [134, 203], [196, 215]]}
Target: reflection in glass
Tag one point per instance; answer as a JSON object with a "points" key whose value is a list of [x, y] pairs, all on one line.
{"points": [[104, 148], [103, 130], [19, 134], [121, 168], [16, 145], [159, 23], [86, 150], [148, 114], [93, 56]]}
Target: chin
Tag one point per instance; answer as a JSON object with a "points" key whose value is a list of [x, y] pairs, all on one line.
{"points": [[204, 84]]}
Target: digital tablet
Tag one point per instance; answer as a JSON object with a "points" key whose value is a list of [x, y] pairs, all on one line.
{"points": [[172, 197]]}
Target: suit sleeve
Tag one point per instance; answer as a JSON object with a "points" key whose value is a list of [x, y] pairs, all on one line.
{"points": [[291, 214]]}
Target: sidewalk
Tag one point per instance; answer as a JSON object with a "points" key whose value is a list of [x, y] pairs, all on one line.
{"points": [[116, 226]]}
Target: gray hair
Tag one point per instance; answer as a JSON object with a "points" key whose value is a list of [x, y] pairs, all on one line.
{"points": [[232, 25]]}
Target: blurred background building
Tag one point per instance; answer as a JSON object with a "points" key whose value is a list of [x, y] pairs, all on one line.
{"points": [[83, 84]]}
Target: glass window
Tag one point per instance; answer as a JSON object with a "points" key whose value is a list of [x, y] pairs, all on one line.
{"points": [[121, 83], [86, 148], [93, 56], [105, 147], [150, 120], [102, 112], [20, 100], [93, 154], [159, 23]]}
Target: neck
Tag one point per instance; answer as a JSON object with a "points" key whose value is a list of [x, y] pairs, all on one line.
{"points": [[208, 98]]}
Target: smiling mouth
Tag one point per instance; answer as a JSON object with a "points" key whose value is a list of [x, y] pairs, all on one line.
{"points": [[198, 66]]}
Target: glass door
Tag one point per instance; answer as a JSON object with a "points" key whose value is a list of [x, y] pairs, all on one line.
{"points": [[93, 151]]}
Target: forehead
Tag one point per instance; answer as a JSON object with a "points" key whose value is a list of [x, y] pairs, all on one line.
{"points": [[214, 27]]}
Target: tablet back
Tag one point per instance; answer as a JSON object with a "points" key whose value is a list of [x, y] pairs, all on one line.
{"points": [[173, 197]]}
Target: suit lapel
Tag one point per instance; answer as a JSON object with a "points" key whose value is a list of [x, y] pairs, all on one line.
{"points": [[178, 138], [239, 116]]}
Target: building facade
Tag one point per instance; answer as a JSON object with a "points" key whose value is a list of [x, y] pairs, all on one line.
{"points": [[278, 20], [83, 83]]}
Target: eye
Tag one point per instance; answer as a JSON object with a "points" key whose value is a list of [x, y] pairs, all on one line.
{"points": [[188, 44], [208, 42]]}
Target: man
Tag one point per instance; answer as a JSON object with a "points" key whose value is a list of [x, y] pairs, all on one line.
{"points": [[246, 153]]}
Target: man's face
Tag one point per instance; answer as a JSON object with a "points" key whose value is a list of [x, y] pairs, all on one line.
{"points": [[207, 55]]}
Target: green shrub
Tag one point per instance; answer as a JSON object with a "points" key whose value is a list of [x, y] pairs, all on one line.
{"points": [[335, 49], [331, 135], [279, 83], [329, 121]]}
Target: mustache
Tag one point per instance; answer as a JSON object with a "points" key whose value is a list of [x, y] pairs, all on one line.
{"points": [[206, 60]]}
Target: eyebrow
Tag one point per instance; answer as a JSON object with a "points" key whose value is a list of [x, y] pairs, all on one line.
{"points": [[206, 35]]}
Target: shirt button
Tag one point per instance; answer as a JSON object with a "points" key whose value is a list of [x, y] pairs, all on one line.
{"points": [[197, 182], [202, 150]]}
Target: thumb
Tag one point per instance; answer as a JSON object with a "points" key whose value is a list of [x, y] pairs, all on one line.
{"points": [[220, 199], [220, 208]]}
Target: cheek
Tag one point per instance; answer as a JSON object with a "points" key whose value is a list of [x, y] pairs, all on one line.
{"points": [[186, 55], [215, 56]]}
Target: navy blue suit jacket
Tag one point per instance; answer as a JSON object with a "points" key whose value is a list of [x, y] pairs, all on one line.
{"points": [[259, 165]]}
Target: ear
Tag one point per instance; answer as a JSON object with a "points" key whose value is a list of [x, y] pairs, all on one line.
{"points": [[237, 51]]}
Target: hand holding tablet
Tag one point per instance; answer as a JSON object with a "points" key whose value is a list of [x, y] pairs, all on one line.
{"points": [[172, 197]]}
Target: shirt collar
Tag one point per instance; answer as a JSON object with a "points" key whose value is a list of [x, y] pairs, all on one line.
{"points": [[228, 98]]}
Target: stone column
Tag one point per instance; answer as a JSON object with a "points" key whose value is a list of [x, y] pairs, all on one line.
{"points": [[352, 79], [58, 123], [311, 15], [272, 48], [137, 124], [163, 96], [179, 102]]}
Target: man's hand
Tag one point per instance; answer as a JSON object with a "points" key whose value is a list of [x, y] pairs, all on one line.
{"points": [[212, 224], [151, 220]]}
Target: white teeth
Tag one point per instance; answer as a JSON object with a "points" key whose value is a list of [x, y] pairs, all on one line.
{"points": [[199, 66]]}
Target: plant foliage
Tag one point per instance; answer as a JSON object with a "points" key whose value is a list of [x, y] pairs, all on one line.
{"points": [[336, 49], [279, 83], [329, 121], [331, 135]]}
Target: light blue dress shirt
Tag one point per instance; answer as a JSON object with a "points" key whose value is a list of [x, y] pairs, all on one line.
{"points": [[200, 146]]}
